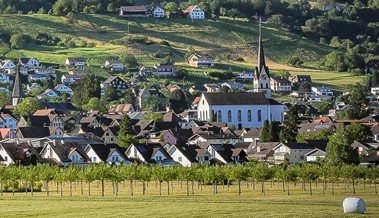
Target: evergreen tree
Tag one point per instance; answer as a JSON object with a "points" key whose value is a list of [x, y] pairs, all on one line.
{"points": [[126, 134], [289, 130], [265, 132], [358, 101], [87, 88], [274, 131]]}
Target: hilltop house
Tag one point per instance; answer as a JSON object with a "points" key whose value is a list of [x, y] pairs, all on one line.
{"points": [[297, 79], [198, 60], [62, 88], [31, 63], [73, 75], [246, 109], [280, 84], [116, 82], [194, 12], [134, 11], [158, 12], [8, 66], [76, 62], [164, 70], [245, 75], [6, 78], [114, 65]]}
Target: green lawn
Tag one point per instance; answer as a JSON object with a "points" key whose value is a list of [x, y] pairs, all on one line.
{"points": [[251, 203]]}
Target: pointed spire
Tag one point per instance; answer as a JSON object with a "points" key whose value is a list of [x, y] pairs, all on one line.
{"points": [[261, 54], [17, 93], [17, 86]]}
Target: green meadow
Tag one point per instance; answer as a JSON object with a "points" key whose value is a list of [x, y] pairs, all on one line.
{"points": [[203, 203]]}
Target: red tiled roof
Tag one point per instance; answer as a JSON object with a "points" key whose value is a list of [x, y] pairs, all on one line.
{"points": [[196, 100], [190, 9]]}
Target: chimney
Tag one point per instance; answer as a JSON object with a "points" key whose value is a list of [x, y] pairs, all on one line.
{"points": [[54, 142], [258, 148], [62, 141]]}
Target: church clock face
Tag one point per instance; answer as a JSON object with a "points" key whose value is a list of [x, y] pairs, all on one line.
{"points": [[264, 77]]}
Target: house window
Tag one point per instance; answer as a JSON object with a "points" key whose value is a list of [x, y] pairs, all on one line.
{"points": [[6, 158], [239, 116], [180, 159], [259, 115], [159, 158], [249, 115], [229, 116], [219, 116], [94, 159]]}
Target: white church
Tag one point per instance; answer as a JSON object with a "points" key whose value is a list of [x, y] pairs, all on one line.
{"points": [[244, 109]]}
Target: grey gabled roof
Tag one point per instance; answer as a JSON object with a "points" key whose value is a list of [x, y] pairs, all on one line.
{"points": [[237, 98]]}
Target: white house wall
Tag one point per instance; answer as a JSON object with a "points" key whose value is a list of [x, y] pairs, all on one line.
{"points": [[175, 156], [91, 154]]}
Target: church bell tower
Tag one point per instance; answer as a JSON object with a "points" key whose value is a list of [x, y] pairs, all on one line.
{"points": [[261, 75]]}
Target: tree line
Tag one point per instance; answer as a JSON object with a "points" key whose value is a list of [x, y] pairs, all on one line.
{"points": [[256, 174]]}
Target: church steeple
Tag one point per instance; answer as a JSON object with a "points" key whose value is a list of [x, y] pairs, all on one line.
{"points": [[17, 93], [261, 74], [261, 55]]}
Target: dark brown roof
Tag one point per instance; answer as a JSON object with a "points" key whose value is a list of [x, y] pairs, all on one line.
{"points": [[171, 117], [237, 98], [148, 150], [280, 79], [189, 152], [266, 149], [110, 79], [16, 150], [103, 151], [33, 132], [63, 150], [373, 157]]}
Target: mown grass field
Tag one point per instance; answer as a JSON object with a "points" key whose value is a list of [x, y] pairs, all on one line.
{"points": [[251, 203]]}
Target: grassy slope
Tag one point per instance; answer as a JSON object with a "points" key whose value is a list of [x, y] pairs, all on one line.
{"points": [[237, 38], [251, 203]]}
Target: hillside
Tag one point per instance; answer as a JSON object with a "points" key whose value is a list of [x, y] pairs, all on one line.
{"points": [[225, 39], [217, 37]]}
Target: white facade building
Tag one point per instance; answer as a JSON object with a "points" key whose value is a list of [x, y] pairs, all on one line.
{"points": [[246, 109], [194, 12], [158, 12]]}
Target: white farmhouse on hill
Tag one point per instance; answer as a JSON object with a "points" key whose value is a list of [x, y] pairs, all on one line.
{"points": [[158, 12], [194, 12]]}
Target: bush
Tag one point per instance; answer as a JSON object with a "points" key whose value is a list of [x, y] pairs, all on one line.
{"points": [[357, 72], [294, 61], [164, 42], [222, 75], [240, 59], [129, 40]]}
